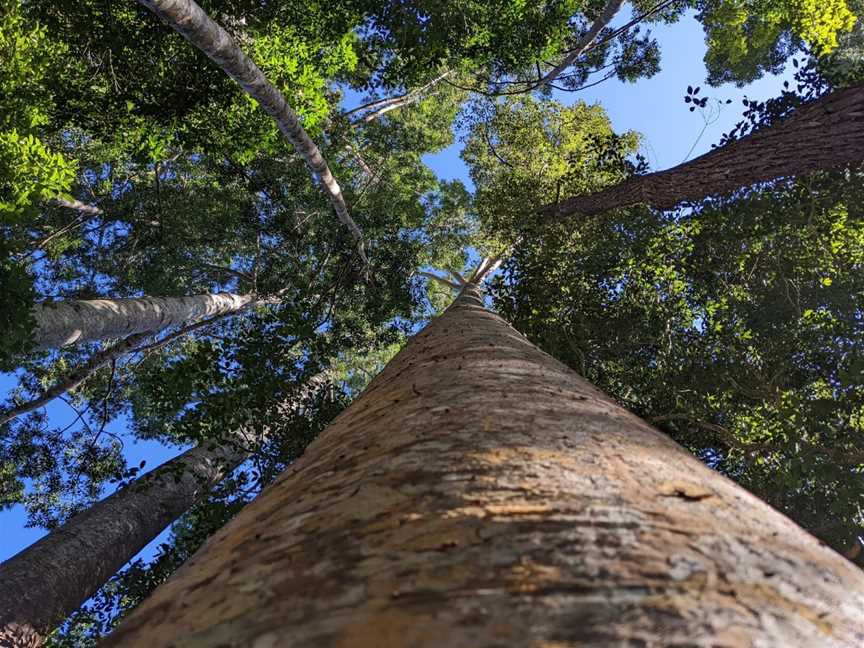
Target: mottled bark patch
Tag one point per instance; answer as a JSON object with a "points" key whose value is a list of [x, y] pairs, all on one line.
{"points": [[510, 504]]}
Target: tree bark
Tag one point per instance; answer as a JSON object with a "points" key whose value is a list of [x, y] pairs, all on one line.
{"points": [[99, 359], [479, 493], [822, 134], [191, 22], [77, 205], [75, 321], [386, 105], [49, 580], [45, 583]]}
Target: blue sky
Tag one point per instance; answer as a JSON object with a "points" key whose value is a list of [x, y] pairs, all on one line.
{"points": [[653, 107]]}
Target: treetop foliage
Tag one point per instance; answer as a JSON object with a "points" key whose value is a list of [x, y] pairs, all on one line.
{"points": [[733, 323]]}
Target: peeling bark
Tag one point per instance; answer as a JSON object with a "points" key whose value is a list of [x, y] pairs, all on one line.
{"points": [[479, 494], [823, 134], [191, 22], [75, 321]]}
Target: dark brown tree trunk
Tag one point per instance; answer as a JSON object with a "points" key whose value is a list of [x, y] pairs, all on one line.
{"points": [[479, 493], [823, 134]]}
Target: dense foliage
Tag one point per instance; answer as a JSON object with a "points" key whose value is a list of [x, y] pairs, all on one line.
{"points": [[733, 323], [736, 327]]}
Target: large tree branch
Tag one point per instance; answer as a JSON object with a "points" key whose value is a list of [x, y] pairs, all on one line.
{"points": [[822, 134], [187, 18]]}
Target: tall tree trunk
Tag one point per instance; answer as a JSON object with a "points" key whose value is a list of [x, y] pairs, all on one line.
{"points": [[45, 583], [191, 22], [822, 134], [75, 321], [479, 493], [49, 580]]}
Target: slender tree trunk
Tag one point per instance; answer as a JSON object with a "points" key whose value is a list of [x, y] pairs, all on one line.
{"points": [[77, 376], [76, 321], [385, 106], [582, 45], [77, 205], [45, 583], [479, 493], [49, 580], [823, 134], [191, 22]]}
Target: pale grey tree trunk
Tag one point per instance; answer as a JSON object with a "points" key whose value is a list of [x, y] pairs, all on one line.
{"points": [[43, 584], [480, 494], [75, 321], [188, 19]]}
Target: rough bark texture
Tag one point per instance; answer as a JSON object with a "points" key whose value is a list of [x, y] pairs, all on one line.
{"points": [[76, 321], [188, 19], [481, 494], [823, 134], [49, 580]]}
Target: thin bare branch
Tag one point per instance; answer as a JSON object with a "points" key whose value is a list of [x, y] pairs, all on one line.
{"points": [[487, 266], [582, 45], [77, 205], [111, 354], [75, 378], [397, 102]]}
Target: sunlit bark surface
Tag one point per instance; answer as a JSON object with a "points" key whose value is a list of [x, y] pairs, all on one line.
{"points": [[481, 494], [75, 321]]}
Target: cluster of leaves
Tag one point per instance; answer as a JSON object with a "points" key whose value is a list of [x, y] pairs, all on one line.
{"points": [[525, 154], [747, 38], [735, 327], [30, 170]]}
